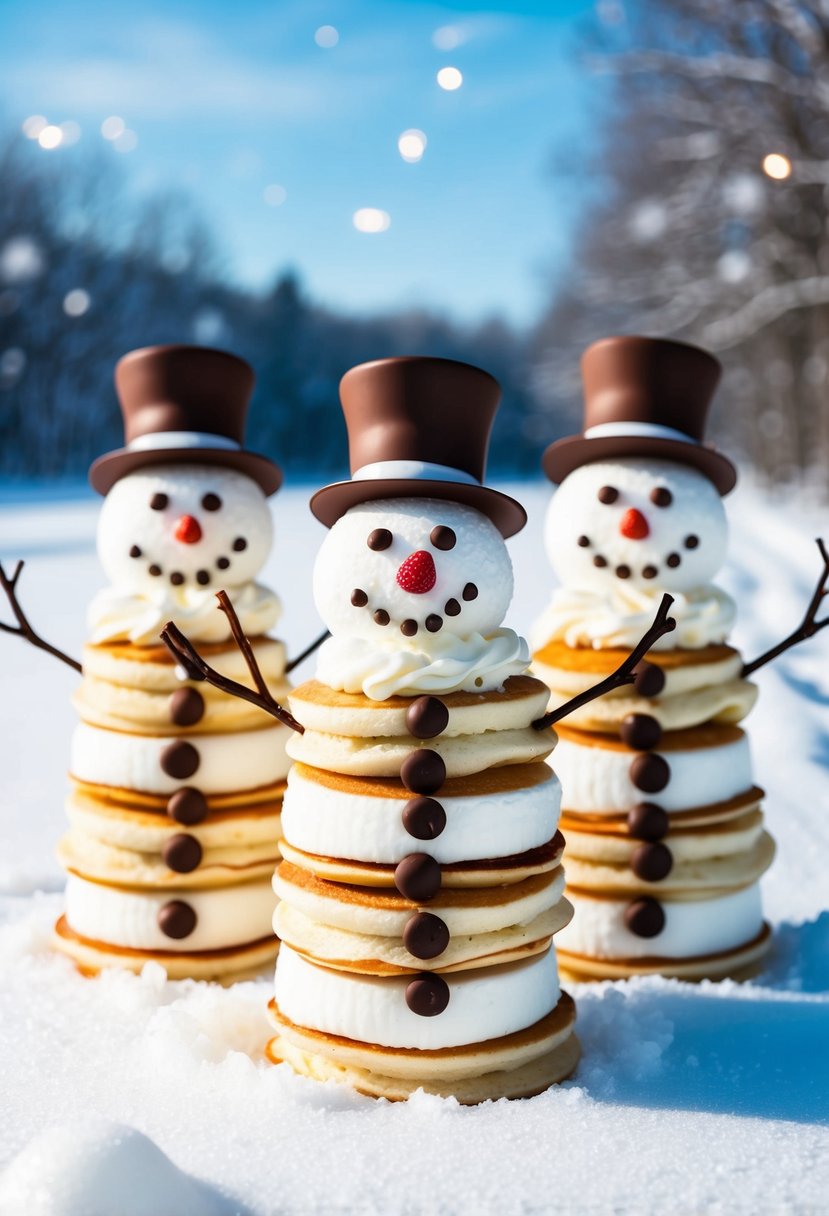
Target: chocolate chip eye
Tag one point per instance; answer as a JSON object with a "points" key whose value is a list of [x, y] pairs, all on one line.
{"points": [[379, 539], [443, 537], [607, 495], [661, 496], [211, 502], [159, 501]]}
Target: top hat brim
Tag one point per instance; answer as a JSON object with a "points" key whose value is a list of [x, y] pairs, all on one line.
{"points": [[108, 469], [331, 502], [565, 455]]}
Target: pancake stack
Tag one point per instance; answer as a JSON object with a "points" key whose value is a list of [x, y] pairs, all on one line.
{"points": [[421, 881], [176, 786], [662, 815], [665, 833], [174, 809]]}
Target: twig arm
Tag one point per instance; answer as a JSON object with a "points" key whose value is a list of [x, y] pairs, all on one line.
{"points": [[807, 628], [624, 673], [309, 650], [185, 653], [24, 629]]}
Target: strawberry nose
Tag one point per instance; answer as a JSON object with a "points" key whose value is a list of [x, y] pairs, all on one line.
{"points": [[634, 525], [417, 574], [187, 530]]}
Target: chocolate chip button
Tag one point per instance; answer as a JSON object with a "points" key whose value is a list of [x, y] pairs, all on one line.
{"points": [[650, 773], [649, 680], [187, 806], [652, 862], [423, 772], [427, 995], [176, 919], [182, 853], [417, 877], [645, 917], [179, 760], [425, 935], [424, 818], [641, 732], [426, 718], [647, 821], [186, 707]]}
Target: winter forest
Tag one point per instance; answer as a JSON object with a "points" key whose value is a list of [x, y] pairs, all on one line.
{"points": [[705, 220]]}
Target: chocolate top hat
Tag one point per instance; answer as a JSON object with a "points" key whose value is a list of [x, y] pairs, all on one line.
{"points": [[418, 428], [183, 404], [644, 397]]}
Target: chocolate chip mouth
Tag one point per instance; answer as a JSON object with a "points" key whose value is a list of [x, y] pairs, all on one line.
{"points": [[623, 570], [410, 627]]}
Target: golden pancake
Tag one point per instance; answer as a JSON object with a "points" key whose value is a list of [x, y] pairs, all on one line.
{"points": [[740, 963]]}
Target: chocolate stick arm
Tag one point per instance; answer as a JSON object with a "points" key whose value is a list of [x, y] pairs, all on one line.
{"points": [[807, 628], [23, 629], [243, 642], [309, 650], [624, 673], [185, 653]]}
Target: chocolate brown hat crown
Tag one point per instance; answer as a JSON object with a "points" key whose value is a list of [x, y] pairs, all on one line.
{"points": [[644, 397], [178, 391], [419, 410]]}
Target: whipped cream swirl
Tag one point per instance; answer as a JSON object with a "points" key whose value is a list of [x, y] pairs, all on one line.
{"points": [[450, 664], [704, 617], [119, 616]]}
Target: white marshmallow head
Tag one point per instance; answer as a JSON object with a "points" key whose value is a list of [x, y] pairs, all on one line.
{"points": [[186, 526], [411, 569], [649, 524]]}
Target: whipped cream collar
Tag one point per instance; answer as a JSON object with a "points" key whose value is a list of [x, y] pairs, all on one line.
{"points": [[618, 618], [381, 669], [116, 616]]}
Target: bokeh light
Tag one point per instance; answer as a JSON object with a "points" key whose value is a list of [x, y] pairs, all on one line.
{"points": [[50, 137], [33, 125], [326, 37], [777, 166], [274, 194], [371, 219], [21, 259], [450, 79], [447, 37], [76, 302], [113, 127], [411, 145]]}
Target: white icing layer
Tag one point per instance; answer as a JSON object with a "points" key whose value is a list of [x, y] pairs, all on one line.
{"points": [[115, 615], [334, 823], [597, 779], [451, 664], [485, 1004], [618, 616], [704, 926], [229, 762], [226, 916]]}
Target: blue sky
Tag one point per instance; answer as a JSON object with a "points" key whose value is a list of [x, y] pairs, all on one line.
{"points": [[227, 99]]}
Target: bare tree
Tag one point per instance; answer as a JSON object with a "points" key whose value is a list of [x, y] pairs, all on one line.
{"points": [[710, 214]]}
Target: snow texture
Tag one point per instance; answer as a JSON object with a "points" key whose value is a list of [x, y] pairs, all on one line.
{"points": [[690, 1098]]}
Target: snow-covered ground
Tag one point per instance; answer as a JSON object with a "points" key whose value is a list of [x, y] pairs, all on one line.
{"points": [[690, 1098]]}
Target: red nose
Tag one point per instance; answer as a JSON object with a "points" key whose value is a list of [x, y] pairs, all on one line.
{"points": [[187, 530], [417, 574], [634, 525]]}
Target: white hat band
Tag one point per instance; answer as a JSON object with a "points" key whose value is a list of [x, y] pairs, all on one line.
{"points": [[159, 441], [638, 430], [412, 470]]}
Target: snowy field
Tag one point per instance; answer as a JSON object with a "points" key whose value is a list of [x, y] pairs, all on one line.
{"points": [[706, 1098]]}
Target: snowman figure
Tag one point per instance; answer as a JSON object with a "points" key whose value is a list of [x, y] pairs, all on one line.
{"points": [[175, 790], [421, 884], [666, 843]]}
